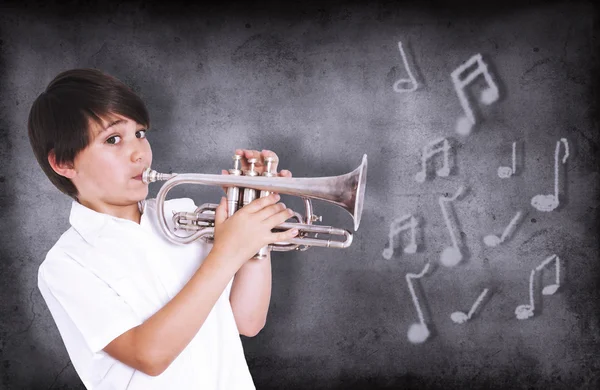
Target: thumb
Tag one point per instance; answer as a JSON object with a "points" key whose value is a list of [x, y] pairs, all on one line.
{"points": [[221, 211]]}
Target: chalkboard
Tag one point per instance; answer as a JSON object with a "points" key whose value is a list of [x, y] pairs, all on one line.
{"points": [[321, 84]]}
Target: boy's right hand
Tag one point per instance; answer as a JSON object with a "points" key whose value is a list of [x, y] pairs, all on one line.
{"points": [[240, 236]]}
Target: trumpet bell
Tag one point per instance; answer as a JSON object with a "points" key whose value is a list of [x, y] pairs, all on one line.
{"points": [[358, 185]]}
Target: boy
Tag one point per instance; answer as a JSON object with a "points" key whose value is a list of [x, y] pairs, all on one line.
{"points": [[134, 310]]}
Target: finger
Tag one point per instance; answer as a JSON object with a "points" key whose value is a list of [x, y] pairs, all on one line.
{"points": [[260, 203], [285, 173], [271, 210], [221, 211], [279, 217], [285, 235], [268, 153]]}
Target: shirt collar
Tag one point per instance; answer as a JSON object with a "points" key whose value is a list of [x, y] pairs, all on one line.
{"points": [[89, 223]]}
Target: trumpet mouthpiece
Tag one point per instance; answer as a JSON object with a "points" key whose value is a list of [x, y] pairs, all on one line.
{"points": [[150, 175]]}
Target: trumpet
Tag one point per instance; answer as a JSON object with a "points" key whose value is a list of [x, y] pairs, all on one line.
{"points": [[346, 191]]}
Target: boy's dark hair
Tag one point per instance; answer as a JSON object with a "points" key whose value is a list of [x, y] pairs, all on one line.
{"points": [[61, 116]]}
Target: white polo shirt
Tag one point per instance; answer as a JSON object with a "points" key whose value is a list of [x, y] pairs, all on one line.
{"points": [[106, 275]]}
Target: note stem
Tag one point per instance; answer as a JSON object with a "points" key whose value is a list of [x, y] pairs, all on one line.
{"points": [[514, 158], [477, 303]]}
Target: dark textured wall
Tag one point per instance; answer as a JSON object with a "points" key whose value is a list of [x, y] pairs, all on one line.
{"points": [[315, 84]]}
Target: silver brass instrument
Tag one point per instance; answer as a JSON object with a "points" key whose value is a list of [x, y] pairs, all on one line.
{"points": [[346, 191]]}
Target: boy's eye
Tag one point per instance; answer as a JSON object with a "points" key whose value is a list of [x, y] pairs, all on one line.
{"points": [[141, 134], [113, 140]]}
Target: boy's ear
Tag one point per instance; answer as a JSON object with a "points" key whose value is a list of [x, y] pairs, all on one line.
{"points": [[64, 169]]}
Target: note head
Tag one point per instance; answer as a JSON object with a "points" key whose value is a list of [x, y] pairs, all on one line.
{"points": [[464, 125], [489, 96], [524, 312], [387, 253], [459, 317], [491, 240], [451, 256], [411, 248], [505, 172], [544, 202], [443, 171], [411, 85], [418, 333], [551, 289]]}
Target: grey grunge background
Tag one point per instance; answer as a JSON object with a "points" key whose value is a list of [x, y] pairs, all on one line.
{"points": [[313, 81]]}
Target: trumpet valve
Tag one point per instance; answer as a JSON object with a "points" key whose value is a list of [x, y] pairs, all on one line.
{"points": [[237, 160], [269, 162], [252, 171]]}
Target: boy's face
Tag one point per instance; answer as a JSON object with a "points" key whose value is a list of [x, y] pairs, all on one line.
{"points": [[108, 170]]}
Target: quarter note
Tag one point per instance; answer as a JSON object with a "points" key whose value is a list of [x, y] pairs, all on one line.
{"points": [[440, 145], [524, 312], [550, 202], [460, 318], [506, 172], [451, 255], [418, 332], [411, 80], [397, 226], [489, 95], [492, 240], [551, 288]]}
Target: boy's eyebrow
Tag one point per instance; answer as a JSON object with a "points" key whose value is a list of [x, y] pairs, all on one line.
{"points": [[114, 123], [118, 121]]}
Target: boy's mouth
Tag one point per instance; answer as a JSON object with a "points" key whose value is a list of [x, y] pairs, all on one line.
{"points": [[138, 177]]}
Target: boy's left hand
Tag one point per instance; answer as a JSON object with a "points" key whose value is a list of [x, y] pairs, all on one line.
{"points": [[260, 164]]}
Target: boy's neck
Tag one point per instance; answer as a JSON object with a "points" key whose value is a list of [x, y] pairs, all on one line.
{"points": [[131, 212]]}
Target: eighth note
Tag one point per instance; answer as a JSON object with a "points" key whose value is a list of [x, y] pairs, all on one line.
{"points": [[430, 150], [450, 255], [524, 312], [398, 226], [460, 318], [488, 96], [506, 172], [411, 78], [550, 202], [493, 240], [418, 332]]}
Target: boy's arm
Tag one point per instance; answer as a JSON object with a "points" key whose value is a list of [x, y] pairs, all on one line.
{"points": [[250, 295], [153, 345]]}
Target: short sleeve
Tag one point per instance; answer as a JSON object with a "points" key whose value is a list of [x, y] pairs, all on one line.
{"points": [[76, 296]]}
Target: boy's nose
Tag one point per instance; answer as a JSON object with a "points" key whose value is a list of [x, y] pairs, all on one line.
{"points": [[137, 153]]}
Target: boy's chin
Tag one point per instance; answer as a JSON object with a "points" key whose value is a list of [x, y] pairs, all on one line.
{"points": [[138, 195]]}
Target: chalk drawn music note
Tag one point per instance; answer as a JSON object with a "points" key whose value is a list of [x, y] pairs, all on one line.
{"points": [[451, 255], [526, 311], [397, 226], [492, 240], [411, 79], [460, 318], [430, 150], [418, 332], [550, 202], [506, 172], [489, 95]]}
